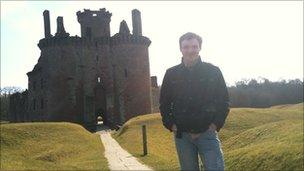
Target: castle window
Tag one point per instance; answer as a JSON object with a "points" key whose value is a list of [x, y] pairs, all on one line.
{"points": [[97, 57], [126, 73], [34, 104], [34, 85], [41, 103]]}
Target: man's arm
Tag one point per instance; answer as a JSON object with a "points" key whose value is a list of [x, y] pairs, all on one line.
{"points": [[221, 100], [165, 102]]}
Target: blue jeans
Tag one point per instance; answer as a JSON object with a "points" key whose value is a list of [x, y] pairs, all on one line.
{"points": [[207, 146]]}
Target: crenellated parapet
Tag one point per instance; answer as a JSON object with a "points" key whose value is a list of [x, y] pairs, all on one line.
{"points": [[72, 40], [129, 39], [88, 14]]}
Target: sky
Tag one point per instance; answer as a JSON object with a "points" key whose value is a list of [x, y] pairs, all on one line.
{"points": [[249, 39]]}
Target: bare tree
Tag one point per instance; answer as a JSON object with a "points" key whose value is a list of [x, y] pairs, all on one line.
{"points": [[10, 90]]}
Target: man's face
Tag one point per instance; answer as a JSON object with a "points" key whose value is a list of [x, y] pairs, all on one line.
{"points": [[190, 49]]}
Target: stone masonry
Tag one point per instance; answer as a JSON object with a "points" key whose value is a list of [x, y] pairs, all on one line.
{"points": [[77, 79]]}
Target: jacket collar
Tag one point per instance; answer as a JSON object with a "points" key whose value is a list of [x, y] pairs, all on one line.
{"points": [[198, 63]]}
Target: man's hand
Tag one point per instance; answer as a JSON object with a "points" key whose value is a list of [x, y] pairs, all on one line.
{"points": [[212, 127], [173, 128]]}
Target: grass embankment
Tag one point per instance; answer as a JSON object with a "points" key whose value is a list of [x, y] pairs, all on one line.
{"points": [[252, 139], [50, 146]]}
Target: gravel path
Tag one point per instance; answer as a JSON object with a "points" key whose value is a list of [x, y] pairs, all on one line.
{"points": [[118, 158]]}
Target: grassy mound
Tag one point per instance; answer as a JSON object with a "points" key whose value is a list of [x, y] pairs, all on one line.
{"points": [[55, 146], [252, 139]]}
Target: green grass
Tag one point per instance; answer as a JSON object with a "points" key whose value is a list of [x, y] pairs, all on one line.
{"points": [[252, 139], [55, 146]]}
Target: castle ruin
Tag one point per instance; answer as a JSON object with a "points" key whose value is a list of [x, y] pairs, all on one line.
{"points": [[77, 79]]}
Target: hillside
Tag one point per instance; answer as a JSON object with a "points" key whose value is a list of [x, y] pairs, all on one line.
{"points": [[45, 146], [252, 139]]}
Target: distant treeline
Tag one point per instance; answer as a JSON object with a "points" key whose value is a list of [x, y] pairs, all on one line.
{"points": [[245, 93], [251, 93]]}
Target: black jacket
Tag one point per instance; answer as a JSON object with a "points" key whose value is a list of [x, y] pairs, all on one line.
{"points": [[193, 98]]}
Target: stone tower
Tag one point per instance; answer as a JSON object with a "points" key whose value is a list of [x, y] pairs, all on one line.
{"points": [[131, 68], [77, 79], [94, 24]]}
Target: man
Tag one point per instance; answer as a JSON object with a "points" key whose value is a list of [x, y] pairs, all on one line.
{"points": [[194, 104]]}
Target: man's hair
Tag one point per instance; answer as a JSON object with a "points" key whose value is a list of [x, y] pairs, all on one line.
{"points": [[188, 36]]}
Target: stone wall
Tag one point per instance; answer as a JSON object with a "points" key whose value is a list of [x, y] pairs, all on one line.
{"points": [[155, 90], [18, 105], [132, 74]]}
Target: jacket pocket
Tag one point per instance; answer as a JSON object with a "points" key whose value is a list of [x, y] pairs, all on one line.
{"points": [[196, 121]]}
